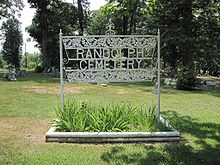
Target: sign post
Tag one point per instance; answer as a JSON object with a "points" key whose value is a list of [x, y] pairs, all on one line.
{"points": [[158, 73], [61, 71]]}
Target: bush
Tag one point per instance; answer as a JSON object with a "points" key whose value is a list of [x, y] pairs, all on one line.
{"points": [[80, 117], [39, 69], [33, 60], [186, 79]]}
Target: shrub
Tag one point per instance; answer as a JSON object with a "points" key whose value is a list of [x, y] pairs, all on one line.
{"points": [[39, 69], [186, 79], [33, 60], [82, 116]]}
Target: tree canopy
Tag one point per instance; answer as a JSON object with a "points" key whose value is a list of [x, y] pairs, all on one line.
{"points": [[190, 37], [10, 8], [190, 29], [12, 41], [46, 25]]}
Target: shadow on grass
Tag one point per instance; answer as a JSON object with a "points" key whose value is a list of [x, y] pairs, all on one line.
{"points": [[215, 92], [183, 152], [149, 87], [143, 86]]}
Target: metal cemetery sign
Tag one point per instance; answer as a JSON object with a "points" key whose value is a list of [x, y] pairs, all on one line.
{"points": [[110, 58]]}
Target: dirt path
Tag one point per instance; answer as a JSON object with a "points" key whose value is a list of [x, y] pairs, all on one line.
{"points": [[24, 129]]}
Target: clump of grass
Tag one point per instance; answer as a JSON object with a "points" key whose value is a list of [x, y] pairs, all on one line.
{"points": [[82, 116]]}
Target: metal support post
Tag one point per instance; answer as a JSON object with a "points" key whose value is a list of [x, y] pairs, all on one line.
{"points": [[158, 73], [61, 71]]}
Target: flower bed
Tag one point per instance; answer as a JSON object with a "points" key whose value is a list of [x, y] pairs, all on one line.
{"points": [[81, 122]]}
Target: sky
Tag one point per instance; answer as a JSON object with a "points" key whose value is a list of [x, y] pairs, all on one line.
{"points": [[28, 13]]}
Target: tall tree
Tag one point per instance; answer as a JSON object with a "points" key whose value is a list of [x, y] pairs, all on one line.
{"points": [[176, 22], [124, 12], [80, 16], [168, 17], [83, 14], [60, 15], [13, 41], [207, 38], [42, 9], [97, 23], [187, 24]]}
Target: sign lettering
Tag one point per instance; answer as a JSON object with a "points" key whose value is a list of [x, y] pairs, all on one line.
{"points": [[110, 58]]}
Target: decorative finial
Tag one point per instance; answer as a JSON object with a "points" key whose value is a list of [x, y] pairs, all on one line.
{"points": [[110, 26]]}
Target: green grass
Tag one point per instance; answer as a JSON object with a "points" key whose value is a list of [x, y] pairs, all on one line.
{"points": [[27, 108]]}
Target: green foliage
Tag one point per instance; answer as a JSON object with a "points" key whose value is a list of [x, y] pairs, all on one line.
{"points": [[2, 61], [128, 16], [33, 60], [13, 41], [125, 14], [97, 24], [207, 38], [82, 15], [186, 79], [39, 69], [80, 117], [109, 119], [189, 32], [10, 7], [58, 15], [147, 119]]}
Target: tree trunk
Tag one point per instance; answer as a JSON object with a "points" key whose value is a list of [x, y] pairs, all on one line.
{"points": [[132, 22], [173, 59], [187, 25], [80, 17], [125, 25], [46, 58]]}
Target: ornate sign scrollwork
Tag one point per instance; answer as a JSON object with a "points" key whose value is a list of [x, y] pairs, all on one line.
{"points": [[110, 26], [110, 58], [74, 42]]}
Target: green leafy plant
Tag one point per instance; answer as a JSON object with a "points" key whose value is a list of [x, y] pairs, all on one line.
{"points": [[146, 120], [82, 116], [186, 79], [73, 117], [112, 118]]}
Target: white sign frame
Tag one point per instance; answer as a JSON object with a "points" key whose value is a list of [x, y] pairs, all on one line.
{"points": [[109, 34]]}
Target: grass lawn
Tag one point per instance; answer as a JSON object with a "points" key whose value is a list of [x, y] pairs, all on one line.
{"points": [[26, 110]]}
